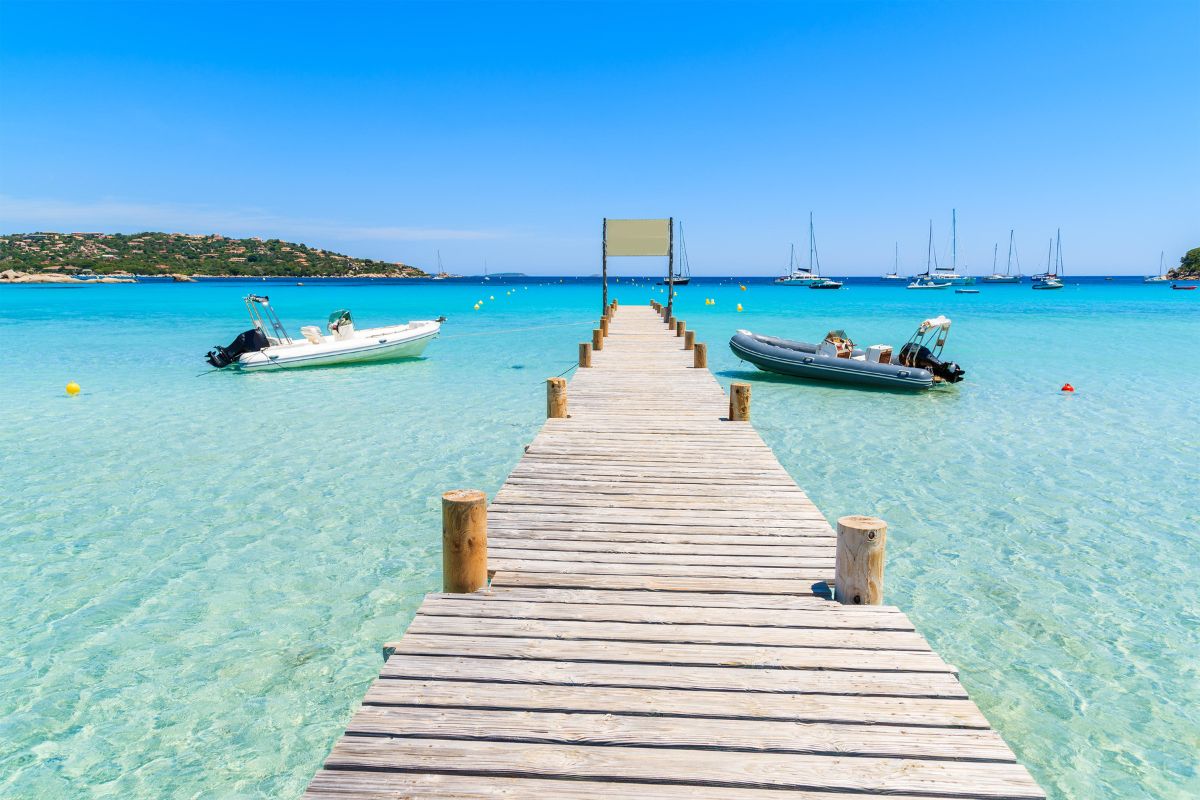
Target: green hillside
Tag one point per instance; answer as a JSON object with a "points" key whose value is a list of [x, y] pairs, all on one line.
{"points": [[181, 253]]}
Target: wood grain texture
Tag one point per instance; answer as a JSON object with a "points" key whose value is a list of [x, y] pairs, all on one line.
{"points": [[659, 624]]}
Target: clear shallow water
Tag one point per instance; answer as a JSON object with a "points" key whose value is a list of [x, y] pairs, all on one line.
{"points": [[197, 571]]}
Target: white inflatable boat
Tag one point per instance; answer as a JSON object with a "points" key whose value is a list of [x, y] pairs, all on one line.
{"points": [[268, 346]]}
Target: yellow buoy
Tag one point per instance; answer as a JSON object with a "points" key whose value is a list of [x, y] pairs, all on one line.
{"points": [[477, 306], [742, 286], [491, 297], [739, 306], [72, 388]]}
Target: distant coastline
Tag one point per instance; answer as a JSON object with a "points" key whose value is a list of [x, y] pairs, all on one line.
{"points": [[51, 257]]}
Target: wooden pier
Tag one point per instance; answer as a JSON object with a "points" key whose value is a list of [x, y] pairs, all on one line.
{"points": [[655, 628]]}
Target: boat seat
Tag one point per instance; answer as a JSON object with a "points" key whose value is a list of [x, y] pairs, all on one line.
{"points": [[312, 333]]}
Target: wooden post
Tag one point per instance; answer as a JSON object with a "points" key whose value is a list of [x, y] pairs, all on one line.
{"points": [[858, 568], [680, 327], [597, 341], [604, 262], [670, 264], [739, 402], [604, 326], [689, 340], [556, 398], [464, 541], [700, 356], [585, 354], [670, 323], [615, 304]]}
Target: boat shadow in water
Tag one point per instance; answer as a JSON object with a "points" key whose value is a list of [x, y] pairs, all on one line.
{"points": [[301, 369], [757, 376]]}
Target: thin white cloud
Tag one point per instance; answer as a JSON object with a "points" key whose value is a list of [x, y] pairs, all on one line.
{"points": [[19, 214]]}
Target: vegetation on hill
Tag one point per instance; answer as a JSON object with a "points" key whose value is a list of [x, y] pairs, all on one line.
{"points": [[1189, 265], [182, 253]]}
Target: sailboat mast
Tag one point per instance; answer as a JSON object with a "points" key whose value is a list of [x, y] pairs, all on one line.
{"points": [[954, 240], [896, 263], [810, 242], [995, 252], [1008, 269], [1058, 253], [929, 248]]}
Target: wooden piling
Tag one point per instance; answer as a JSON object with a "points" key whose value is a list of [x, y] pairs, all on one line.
{"points": [[585, 354], [700, 358], [680, 327], [597, 341], [604, 326], [739, 402], [464, 541], [556, 398], [689, 340], [858, 567], [671, 322]]}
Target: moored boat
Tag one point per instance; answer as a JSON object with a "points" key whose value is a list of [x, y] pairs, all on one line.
{"points": [[1161, 277], [267, 345], [836, 358], [1007, 277], [825, 283], [804, 276]]}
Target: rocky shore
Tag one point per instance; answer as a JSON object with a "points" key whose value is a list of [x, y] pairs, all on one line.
{"points": [[12, 276]]}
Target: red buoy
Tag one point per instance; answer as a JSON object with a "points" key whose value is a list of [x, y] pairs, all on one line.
{"points": [[1068, 387]]}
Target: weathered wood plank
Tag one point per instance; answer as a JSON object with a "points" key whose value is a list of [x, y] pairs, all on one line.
{"points": [[702, 768]]}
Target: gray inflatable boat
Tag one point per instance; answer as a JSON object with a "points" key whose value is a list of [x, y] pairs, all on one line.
{"points": [[838, 359]]}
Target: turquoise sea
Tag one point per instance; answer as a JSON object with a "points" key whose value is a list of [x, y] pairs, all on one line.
{"points": [[197, 570]]}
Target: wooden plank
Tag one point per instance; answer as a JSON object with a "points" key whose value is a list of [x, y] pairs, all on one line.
{"points": [[841, 617], [908, 711], [341, 784], [931, 685], [711, 655], [612, 729], [689, 767], [487, 621]]}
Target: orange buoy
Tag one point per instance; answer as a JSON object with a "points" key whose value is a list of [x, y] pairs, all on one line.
{"points": [[1068, 387]]}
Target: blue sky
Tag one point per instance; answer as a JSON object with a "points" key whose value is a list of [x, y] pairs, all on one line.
{"points": [[507, 131]]}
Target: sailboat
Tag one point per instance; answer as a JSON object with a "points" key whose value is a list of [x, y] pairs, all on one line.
{"points": [[895, 275], [925, 279], [802, 276], [950, 274], [1052, 280], [1161, 277], [683, 270], [1007, 277]]}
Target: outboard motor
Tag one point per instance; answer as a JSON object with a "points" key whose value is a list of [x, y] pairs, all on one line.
{"points": [[917, 355], [251, 341]]}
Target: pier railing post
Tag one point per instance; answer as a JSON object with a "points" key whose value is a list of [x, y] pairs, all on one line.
{"points": [[680, 327], [858, 567], [700, 356], [689, 340], [604, 326], [585, 354], [670, 323], [597, 340], [556, 398], [739, 402], [464, 541]]}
